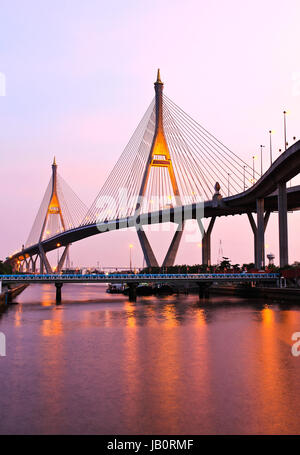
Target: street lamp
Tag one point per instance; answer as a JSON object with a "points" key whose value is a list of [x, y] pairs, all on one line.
{"points": [[261, 160], [58, 245], [245, 177], [284, 128], [228, 184], [271, 160], [254, 158], [130, 258]]}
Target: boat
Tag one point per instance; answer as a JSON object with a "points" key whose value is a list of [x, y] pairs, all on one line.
{"points": [[115, 288], [142, 289]]}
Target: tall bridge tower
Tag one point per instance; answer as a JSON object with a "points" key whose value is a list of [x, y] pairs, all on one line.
{"points": [[160, 157], [54, 216], [59, 211]]}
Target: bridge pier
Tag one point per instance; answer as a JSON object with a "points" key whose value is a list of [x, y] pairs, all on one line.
{"points": [[283, 226], [44, 260], [132, 291], [147, 250], [206, 236], [34, 264], [41, 265], [58, 292], [259, 238], [172, 251], [254, 230], [203, 290], [27, 265], [62, 259]]}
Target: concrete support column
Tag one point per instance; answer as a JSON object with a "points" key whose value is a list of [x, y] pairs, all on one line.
{"points": [[147, 250], [254, 230], [62, 259], [260, 243], [45, 260], [206, 247], [58, 292], [203, 290], [283, 227], [34, 264], [132, 292], [41, 265], [30, 264], [172, 251]]}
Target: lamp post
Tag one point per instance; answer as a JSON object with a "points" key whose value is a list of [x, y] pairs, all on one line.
{"points": [[261, 159], [245, 177], [130, 258], [271, 160], [58, 245], [254, 158], [284, 129], [228, 184]]}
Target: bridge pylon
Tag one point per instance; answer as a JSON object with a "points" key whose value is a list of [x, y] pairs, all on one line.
{"points": [[159, 157], [54, 216]]}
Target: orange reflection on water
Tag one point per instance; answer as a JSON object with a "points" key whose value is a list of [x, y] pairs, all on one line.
{"points": [[272, 378], [130, 314], [200, 317], [18, 315], [54, 326], [53, 371], [170, 316], [268, 316], [47, 295]]}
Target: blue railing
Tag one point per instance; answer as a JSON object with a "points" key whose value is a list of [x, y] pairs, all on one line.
{"points": [[142, 277]]}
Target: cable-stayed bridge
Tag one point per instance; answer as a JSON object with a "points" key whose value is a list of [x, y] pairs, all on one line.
{"points": [[171, 170]]}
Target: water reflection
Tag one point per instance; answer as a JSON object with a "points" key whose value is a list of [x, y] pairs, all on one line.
{"points": [[101, 364]]}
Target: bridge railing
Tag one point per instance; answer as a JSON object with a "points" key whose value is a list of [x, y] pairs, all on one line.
{"points": [[142, 277]]}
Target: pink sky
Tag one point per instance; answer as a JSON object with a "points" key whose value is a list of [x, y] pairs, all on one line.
{"points": [[79, 77]]}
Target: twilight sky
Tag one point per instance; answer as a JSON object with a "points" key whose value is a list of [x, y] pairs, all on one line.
{"points": [[79, 77]]}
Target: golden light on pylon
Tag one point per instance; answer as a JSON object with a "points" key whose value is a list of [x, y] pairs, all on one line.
{"points": [[130, 245], [160, 155], [58, 245]]}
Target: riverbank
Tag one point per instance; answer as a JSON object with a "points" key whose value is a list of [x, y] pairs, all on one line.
{"points": [[273, 294], [8, 295]]}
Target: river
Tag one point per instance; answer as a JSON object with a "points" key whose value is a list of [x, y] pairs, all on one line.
{"points": [[99, 364]]}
